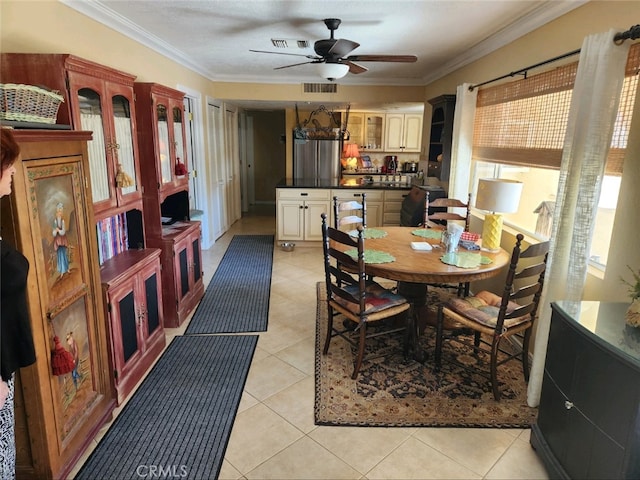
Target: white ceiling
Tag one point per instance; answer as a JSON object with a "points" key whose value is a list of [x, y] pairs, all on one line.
{"points": [[213, 37]]}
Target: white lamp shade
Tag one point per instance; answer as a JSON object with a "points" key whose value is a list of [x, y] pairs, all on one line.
{"points": [[332, 70], [498, 195]]}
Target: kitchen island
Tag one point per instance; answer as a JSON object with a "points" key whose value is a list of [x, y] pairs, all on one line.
{"points": [[300, 202]]}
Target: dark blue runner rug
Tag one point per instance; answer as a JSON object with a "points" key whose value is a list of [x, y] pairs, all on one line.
{"points": [[237, 298], [177, 424]]}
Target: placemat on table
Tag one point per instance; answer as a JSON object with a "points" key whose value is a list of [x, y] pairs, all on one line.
{"points": [[372, 256]]}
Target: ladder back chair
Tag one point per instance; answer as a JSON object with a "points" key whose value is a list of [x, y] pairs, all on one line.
{"points": [[355, 297], [443, 215], [347, 215], [493, 318]]}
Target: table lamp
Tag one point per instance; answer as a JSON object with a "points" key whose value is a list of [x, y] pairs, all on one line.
{"points": [[497, 196], [350, 156]]}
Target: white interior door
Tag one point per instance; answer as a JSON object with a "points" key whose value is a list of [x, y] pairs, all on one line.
{"points": [[217, 175], [234, 203]]}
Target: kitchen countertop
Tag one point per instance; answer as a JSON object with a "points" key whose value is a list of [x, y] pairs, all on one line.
{"points": [[346, 183]]}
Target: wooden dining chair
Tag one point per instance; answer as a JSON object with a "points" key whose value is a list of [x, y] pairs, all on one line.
{"points": [[353, 296], [493, 318], [347, 215], [441, 213], [437, 211]]}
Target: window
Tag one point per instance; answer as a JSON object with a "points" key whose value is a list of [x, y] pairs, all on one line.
{"points": [[519, 134]]}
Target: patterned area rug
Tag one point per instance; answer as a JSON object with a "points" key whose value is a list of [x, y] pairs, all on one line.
{"points": [[392, 391]]}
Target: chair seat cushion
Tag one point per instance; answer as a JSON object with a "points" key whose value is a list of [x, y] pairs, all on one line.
{"points": [[377, 298], [483, 308]]}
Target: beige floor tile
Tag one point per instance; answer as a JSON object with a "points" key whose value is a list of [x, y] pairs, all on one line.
{"points": [[306, 460], [416, 460], [271, 375], [520, 462], [227, 472], [295, 404], [300, 355], [258, 434], [362, 448], [476, 448]]}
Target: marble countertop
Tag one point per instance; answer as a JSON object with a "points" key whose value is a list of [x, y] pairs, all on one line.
{"points": [[346, 183]]}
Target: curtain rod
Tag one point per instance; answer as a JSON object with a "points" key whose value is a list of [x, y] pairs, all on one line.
{"points": [[633, 33]]}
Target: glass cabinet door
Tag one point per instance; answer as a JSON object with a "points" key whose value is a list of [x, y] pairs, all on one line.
{"points": [[123, 131], [91, 119], [178, 139], [375, 131], [163, 143]]}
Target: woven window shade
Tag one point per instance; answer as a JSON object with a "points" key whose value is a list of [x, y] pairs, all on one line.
{"points": [[524, 122]]}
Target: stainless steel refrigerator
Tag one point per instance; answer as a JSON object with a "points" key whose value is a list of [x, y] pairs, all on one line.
{"points": [[317, 160]]}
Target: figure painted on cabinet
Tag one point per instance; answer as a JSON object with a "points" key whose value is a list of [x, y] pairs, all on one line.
{"points": [[16, 342], [60, 242], [75, 352]]}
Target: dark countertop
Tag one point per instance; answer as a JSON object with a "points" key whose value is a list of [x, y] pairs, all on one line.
{"points": [[345, 183]]}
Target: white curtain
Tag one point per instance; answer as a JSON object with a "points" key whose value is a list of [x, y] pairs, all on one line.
{"points": [[96, 148], [594, 104], [465, 111]]}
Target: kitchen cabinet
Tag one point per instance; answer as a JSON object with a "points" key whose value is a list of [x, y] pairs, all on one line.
{"points": [[132, 293], [356, 129], [299, 213], [182, 277], [99, 99], [392, 206], [374, 132], [374, 203], [57, 416], [588, 422], [403, 132], [440, 136]]}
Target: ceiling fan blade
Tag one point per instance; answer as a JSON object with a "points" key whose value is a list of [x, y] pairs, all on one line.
{"points": [[382, 58], [343, 47], [355, 68], [313, 57], [296, 64]]}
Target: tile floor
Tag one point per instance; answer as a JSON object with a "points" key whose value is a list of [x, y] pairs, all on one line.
{"points": [[274, 436]]}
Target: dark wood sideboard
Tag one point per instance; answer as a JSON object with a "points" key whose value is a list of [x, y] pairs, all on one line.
{"points": [[588, 424]]}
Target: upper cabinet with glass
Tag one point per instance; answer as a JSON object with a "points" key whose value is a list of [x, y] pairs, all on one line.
{"points": [[160, 113], [98, 99]]}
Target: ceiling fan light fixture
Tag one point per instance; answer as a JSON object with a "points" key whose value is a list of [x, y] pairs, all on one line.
{"points": [[331, 71]]}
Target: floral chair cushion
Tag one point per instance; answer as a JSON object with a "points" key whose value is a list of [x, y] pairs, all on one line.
{"points": [[377, 298], [483, 308]]}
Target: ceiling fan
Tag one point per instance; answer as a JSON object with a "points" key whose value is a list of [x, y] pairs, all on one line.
{"points": [[331, 55]]}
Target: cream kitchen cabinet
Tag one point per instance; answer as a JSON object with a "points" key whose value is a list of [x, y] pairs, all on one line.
{"points": [[374, 203], [366, 129], [298, 213], [392, 206], [356, 128], [403, 132]]}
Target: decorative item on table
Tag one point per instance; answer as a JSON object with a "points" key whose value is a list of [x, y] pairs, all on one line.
{"points": [[122, 178], [287, 246], [451, 237], [350, 155], [28, 103], [632, 316], [181, 169], [496, 196]]}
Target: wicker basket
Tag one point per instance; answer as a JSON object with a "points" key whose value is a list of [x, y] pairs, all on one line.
{"points": [[28, 103]]}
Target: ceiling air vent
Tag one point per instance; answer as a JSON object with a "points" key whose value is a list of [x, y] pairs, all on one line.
{"points": [[320, 88], [289, 43]]}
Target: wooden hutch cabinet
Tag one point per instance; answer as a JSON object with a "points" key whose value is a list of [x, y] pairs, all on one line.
{"points": [[441, 136], [57, 416], [97, 99], [101, 99], [133, 293], [161, 137]]}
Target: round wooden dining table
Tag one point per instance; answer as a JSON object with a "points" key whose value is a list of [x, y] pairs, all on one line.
{"points": [[414, 269]]}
